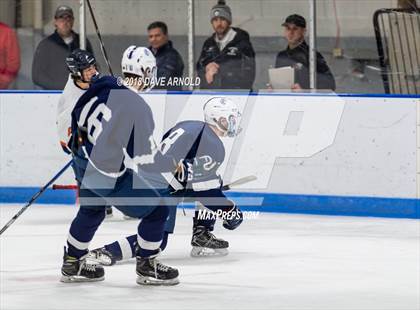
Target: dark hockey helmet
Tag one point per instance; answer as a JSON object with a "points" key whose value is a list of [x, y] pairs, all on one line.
{"points": [[78, 61]]}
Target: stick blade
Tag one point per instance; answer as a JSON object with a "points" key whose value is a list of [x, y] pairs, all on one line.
{"points": [[243, 180]]}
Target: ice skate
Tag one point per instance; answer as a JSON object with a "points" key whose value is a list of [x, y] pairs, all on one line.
{"points": [[80, 270], [152, 272], [204, 243]]}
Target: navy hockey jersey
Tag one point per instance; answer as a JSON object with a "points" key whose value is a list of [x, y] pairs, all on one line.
{"points": [[115, 125], [197, 143]]}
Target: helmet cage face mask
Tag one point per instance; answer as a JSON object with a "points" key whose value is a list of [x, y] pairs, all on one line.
{"points": [[223, 113], [140, 62], [148, 78], [229, 126]]}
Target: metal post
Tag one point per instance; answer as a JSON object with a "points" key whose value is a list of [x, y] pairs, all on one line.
{"points": [[82, 23], [190, 19], [418, 148], [38, 15], [312, 45]]}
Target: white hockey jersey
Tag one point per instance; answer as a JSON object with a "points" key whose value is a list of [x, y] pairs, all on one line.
{"points": [[68, 99]]}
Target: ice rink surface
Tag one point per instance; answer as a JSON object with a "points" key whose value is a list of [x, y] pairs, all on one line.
{"points": [[277, 261]]}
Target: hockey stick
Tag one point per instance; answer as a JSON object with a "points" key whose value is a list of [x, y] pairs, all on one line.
{"points": [[58, 186], [238, 182], [35, 197], [229, 186], [100, 38], [226, 187]]}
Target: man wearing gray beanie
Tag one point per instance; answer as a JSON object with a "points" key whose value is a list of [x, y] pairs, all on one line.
{"points": [[221, 10], [227, 59]]}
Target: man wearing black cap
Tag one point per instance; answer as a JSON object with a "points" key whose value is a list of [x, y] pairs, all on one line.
{"points": [[297, 55], [49, 69], [227, 59]]}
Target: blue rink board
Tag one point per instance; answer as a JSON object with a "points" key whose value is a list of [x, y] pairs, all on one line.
{"points": [[271, 202]]}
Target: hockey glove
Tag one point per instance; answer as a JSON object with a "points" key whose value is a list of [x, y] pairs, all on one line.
{"points": [[233, 218]]}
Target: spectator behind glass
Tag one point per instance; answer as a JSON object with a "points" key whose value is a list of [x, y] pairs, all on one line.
{"points": [[168, 61], [297, 55], [9, 56], [49, 66], [227, 59]]}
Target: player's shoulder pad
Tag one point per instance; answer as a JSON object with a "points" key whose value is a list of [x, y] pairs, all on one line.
{"points": [[100, 86], [106, 81], [191, 126], [144, 102], [124, 100], [192, 129]]}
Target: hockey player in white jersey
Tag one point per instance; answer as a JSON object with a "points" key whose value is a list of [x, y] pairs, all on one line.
{"points": [[83, 71]]}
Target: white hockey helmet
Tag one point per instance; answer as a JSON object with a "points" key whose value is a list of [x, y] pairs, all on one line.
{"points": [[140, 61], [223, 113]]}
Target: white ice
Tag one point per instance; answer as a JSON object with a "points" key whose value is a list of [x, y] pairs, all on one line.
{"points": [[277, 261]]}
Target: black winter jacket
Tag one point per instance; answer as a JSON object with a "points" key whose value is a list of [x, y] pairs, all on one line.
{"points": [[299, 59], [236, 60], [49, 69], [169, 65]]}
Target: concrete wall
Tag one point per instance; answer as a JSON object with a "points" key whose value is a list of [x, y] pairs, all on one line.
{"points": [[7, 12], [312, 145], [259, 17], [124, 22]]}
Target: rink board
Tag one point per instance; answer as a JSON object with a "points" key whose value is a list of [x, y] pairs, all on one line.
{"points": [[263, 202], [317, 154]]}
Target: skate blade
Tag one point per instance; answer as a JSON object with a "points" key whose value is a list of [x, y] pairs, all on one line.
{"points": [[78, 279], [144, 280], [197, 251]]}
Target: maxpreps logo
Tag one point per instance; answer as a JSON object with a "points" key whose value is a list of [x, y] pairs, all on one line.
{"points": [[227, 215]]}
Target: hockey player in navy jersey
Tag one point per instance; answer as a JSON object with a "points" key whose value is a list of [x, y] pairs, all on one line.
{"points": [[82, 73], [113, 126], [198, 142]]}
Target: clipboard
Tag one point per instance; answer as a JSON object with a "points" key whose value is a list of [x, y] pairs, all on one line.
{"points": [[282, 78]]}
